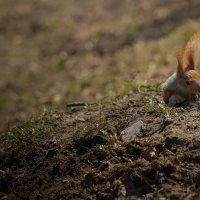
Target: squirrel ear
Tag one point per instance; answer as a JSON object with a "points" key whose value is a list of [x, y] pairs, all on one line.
{"points": [[189, 58], [179, 56]]}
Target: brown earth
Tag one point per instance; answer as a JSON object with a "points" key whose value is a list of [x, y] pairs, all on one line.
{"points": [[111, 57], [80, 154]]}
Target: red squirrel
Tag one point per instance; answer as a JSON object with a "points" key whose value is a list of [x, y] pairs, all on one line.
{"points": [[184, 84]]}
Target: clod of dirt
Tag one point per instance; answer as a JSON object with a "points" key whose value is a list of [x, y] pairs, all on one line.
{"points": [[130, 133], [149, 153], [91, 140]]}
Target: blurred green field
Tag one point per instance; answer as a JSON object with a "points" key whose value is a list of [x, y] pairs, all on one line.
{"points": [[57, 52]]}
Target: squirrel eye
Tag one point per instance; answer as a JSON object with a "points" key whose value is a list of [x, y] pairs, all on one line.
{"points": [[188, 82]]}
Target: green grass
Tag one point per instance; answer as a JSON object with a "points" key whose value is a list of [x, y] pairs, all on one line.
{"points": [[154, 106], [150, 87], [16, 138]]}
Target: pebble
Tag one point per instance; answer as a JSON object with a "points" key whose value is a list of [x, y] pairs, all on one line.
{"points": [[130, 133]]}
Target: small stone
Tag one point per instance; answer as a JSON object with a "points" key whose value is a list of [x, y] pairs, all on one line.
{"points": [[4, 197], [168, 120], [130, 133], [149, 153]]}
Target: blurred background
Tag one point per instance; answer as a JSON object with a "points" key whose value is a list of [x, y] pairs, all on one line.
{"points": [[57, 52]]}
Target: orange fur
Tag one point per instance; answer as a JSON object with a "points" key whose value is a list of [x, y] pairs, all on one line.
{"points": [[185, 83], [179, 56], [166, 95], [189, 58]]}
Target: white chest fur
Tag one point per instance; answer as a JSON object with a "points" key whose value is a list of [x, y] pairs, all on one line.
{"points": [[175, 86]]}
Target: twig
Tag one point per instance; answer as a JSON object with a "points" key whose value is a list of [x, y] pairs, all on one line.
{"points": [[74, 104]]}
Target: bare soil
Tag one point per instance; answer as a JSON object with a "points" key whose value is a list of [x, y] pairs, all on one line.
{"points": [[80, 154]]}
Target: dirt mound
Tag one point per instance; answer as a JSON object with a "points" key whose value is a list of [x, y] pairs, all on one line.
{"points": [[81, 154]]}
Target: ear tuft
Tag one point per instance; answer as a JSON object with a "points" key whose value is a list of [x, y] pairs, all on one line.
{"points": [[179, 56], [189, 58]]}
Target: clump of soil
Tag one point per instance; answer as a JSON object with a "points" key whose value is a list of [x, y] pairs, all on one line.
{"points": [[80, 154]]}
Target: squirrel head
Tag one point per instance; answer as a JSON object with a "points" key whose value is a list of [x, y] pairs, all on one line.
{"points": [[186, 73]]}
